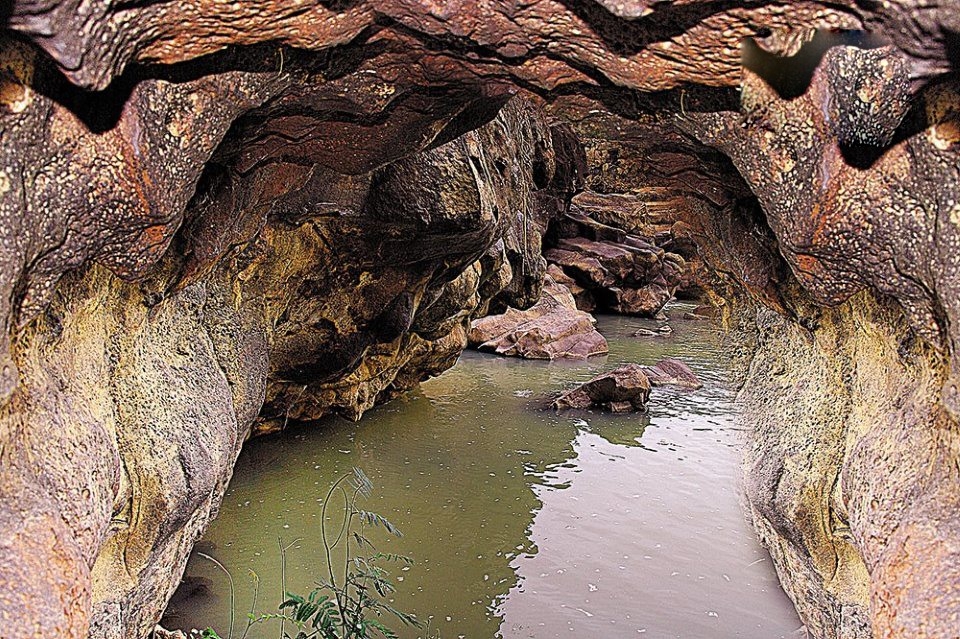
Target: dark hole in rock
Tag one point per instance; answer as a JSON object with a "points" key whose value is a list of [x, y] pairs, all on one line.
{"points": [[540, 177]]}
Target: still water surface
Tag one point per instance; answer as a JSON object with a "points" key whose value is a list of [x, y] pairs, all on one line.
{"points": [[522, 522]]}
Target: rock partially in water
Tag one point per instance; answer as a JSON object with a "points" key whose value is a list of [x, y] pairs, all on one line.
{"points": [[704, 312], [551, 329], [622, 389], [661, 331], [622, 273], [672, 372]]}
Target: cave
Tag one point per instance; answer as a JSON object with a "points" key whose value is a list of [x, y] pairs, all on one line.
{"points": [[225, 222]]}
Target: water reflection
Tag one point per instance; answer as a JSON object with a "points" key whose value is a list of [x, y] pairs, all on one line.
{"points": [[522, 522]]}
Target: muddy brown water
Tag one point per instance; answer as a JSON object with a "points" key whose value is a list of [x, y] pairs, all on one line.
{"points": [[522, 522]]}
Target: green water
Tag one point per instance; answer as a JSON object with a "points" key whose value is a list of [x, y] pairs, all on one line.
{"points": [[522, 522]]}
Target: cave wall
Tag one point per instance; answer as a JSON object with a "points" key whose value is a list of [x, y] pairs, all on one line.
{"points": [[137, 396], [857, 500], [213, 221]]}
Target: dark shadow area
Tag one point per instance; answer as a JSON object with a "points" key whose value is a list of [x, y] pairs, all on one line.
{"points": [[864, 156], [790, 76], [951, 42]]}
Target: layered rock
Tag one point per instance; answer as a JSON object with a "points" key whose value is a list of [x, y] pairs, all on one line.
{"points": [[625, 388], [862, 196], [655, 216], [171, 173], [672, 372], [614, 271], [553, 328]]}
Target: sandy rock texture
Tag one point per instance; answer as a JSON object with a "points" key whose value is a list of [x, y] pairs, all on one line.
{"points": [[219, 217]]}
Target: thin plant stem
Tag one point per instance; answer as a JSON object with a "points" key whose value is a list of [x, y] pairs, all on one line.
{"points": [[283, 575], [233, 592], [328, 547], [253, 607]]}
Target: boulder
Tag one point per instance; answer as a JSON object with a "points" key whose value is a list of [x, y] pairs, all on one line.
{"points": [[624, 388], [672, 372], [551, 329]]}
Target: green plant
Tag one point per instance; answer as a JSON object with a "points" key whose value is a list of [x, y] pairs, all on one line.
{"points": [[349, 603]]}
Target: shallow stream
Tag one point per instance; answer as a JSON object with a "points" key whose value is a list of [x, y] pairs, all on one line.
{"points": [[522, 522]]}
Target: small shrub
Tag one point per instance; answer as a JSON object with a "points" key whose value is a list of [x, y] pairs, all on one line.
{"points": [[350, 601]]}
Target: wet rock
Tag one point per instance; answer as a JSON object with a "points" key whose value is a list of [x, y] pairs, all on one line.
{"points": [[672, 372], [624, 388], [553, 328], [205, 204], [292, 291], [624, 273], [660, 331]]}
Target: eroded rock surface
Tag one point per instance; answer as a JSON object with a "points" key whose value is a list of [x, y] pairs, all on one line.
{"points": [[672, 372], [214, 215], [625, 388], [553, 328], [860, 208], [137, 396], [613, 270]]}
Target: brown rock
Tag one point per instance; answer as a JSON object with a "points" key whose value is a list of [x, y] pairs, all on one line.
{"points": [[625, 386], [661, 331], [551, 329], [586, 270], [582, 296], [645, 302], [672, 372], [236, 159]]}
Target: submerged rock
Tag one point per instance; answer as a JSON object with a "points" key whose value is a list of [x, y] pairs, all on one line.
{"points": [[622, 389], [553, 328], [661, 331]]}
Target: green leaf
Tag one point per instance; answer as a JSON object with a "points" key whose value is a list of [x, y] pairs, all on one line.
{"points": [[382, 629]]}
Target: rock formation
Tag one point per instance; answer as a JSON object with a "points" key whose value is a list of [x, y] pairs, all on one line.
{"points": [[624, 389], [136, 397], [613, 270], [553, 328], [672, 372], [216, 215]]}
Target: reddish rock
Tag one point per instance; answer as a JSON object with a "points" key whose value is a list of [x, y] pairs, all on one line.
{"points": [[625, 273], [624, 388], [583, 297], [551, 329], [672, 372]]}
